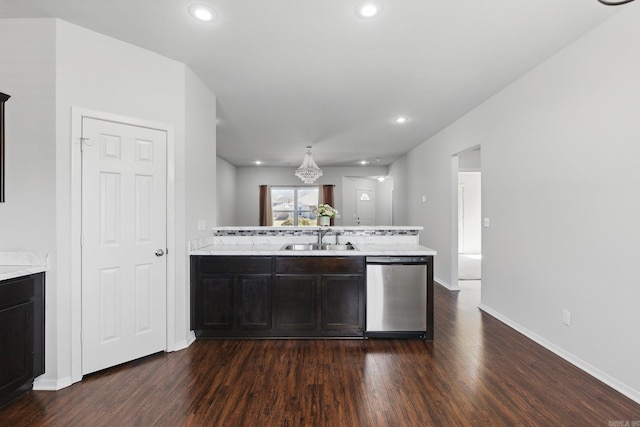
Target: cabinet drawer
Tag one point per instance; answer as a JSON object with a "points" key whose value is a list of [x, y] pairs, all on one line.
{"points": [[315, 264], [232, 264], [16, 291]]}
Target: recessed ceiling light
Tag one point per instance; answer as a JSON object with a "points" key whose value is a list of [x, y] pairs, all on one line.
{"points": [[382, 178], [363, 162], [368, 9], [401, 119], [258, 162], [203, 13]]}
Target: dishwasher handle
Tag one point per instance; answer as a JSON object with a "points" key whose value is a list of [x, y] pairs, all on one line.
{"points": [[396, 260]]}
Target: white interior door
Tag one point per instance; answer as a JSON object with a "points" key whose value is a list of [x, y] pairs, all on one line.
{"points": [[124, 279], [365, 207]]}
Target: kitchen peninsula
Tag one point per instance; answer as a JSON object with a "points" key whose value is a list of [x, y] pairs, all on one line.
{"points": [[293, 282]]}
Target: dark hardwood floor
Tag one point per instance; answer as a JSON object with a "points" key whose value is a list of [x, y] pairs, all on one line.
{"points": [[477, 372]]}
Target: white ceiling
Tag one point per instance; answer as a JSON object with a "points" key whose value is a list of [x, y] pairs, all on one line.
{"points": [[292, 73]]}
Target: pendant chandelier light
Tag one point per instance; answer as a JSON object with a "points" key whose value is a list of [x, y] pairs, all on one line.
{"points": [[614, 3], [308, 170]]}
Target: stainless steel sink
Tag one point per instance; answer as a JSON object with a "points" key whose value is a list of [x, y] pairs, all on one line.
{"points": [[317, 247]]}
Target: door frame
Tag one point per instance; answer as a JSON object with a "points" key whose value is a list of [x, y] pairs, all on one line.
{"points": [[455, 169], [77, 115]]}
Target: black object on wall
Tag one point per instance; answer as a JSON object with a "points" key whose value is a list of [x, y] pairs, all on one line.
{"points": [[3, 98]]}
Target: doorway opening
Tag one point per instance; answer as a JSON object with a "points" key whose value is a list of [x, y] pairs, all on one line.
{"points": [[367, 200], [469, 218]]}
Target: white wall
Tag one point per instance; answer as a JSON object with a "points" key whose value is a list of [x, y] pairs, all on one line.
{"points": [[50, 66], [27, 219], [250, 178], [384, 202], [200, 147], [559, 167], [470, 161], [200, 181], [100, 73], [398, 171], [227, 193]]}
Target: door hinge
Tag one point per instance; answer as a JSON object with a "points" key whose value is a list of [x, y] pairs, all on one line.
{"points": [[82, 240], [83, 142], [82, 335]]}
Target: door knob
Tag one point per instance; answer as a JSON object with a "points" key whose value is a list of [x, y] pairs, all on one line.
{"points": [[159, 252]]}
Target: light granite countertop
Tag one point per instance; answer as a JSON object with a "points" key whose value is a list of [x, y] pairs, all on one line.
{"points": [[19, 264], [271, 249]]}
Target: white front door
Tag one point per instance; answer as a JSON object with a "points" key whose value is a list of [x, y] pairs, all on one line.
{"points": [[365, 207], [124, 175]]}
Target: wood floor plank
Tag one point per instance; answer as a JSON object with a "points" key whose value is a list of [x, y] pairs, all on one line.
{"points": [[477, 372]]}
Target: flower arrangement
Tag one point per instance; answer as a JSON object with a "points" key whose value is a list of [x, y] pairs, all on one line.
{"points": [[326, 210]]}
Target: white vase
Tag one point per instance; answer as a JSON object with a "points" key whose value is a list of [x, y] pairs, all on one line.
{"points": [[324, 220]]}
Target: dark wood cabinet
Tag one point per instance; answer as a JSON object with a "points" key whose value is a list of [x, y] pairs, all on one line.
{"points": [[216, 310], [230, 294], [289, 296], [342, 302], [296, 305], [324, 294], [21, 334], [254, 301]]}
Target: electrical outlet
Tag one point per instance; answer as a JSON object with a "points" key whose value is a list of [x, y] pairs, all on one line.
{"points": [[486, 222], [202, 225], [566, 317], [424, 199]]}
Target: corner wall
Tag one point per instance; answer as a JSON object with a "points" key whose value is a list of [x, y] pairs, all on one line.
{"points": [[28, 218], [50, 66], [559, 161], [226, 194], [200, 188]]}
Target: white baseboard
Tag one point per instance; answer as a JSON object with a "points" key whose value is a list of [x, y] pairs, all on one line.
{"points": [[617, 385], [46, 384], [445, 284], [181, 345]]}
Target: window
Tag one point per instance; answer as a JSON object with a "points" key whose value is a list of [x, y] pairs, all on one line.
{"points": [[294, 205]]}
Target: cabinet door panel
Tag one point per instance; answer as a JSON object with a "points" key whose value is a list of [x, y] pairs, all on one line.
{"points": [[342, 297], [16, 351], [217, 302], [254, 301], [295, 304]]}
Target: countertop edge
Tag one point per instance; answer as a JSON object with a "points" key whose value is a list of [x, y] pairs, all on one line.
{"points": [[15, 264], [275, 250], [13, 271]]}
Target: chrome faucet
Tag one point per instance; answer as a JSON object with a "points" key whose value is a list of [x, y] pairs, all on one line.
{"points": [[321, 234]]}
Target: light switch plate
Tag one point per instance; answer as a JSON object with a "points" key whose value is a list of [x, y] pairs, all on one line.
{"points": [[486, 222]]}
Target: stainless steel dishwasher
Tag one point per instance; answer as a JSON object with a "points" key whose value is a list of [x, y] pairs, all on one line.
{"points": [[396, 297]]}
